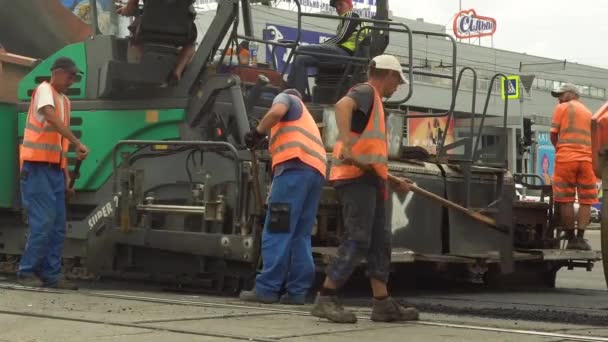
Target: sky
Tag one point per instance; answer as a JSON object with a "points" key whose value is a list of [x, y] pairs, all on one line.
{"points": [[573, 30]]}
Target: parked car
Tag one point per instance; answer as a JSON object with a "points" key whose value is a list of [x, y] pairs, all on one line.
{"points": [[595, 215], [596, 212]]}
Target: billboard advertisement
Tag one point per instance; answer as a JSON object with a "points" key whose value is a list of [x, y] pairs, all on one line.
{"points": [[426, 132], [276, 33], [468, 24], [545, 157], [546, 163], [106, 16]]}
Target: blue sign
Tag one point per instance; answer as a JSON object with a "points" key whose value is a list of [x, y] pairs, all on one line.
{"points": [[107, 20], [546, 157], [543, 138], [279, 32], [103, 5], [510, 88], [546, 163]]}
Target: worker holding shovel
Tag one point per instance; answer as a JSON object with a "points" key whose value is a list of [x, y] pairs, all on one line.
{"points": [[359, 172]]}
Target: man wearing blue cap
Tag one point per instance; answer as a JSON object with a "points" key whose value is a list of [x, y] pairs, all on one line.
{"points": [[45, 177]]}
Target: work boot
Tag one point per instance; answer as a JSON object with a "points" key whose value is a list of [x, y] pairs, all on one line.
{"points": [[330, 308], [62, 284], [578, 244], [253, 297], [29, 281], [388, 310], [585, 246]]}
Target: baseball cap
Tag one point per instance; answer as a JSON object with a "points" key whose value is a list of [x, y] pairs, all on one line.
{"points": [[332, 3], [389, 62], [564, 88], [66, 64]]}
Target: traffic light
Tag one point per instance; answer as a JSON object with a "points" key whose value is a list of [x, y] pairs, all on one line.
{"points": [[527, 136]]}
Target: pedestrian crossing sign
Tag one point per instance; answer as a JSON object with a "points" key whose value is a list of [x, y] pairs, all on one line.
{"points": [[510, 88]]}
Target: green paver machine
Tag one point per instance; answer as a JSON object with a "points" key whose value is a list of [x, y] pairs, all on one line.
{"points": [[169, 193]]}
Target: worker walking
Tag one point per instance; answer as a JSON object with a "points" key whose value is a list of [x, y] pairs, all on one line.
{"points": [[571, 136], [45, 177], [299, 166], [362, 140]]}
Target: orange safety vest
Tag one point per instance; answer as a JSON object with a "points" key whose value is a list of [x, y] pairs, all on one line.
{"points": [[41, 142], [298, 139], [370, 147], [574, 134], [243, 55]]}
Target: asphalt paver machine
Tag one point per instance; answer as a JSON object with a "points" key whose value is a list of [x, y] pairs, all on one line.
{"points": [[169, 193]]}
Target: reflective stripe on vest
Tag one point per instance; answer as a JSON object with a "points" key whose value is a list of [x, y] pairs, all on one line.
{"points": [[298, 139], [41, 142], [46, 128], [41, 146], [351, 43], [369, 147], [572, 135]]}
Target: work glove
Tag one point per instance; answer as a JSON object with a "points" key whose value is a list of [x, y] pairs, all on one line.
{"points": [[253, 138]]}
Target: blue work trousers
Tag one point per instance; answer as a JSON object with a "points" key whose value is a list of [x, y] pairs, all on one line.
{"points": [[286, 250], [43, 194]]}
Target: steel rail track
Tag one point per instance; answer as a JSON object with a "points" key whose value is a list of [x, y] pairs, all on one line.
{"points": [[159, 300], [133, 325]]}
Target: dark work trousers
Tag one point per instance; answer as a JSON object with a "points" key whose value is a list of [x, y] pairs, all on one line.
{"points": [[366, 235], [298, 74]]}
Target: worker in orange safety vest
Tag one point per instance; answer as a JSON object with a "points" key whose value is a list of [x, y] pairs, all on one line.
{"points": [[45, 177], [299, 168], [362, 140], [573, 176]]}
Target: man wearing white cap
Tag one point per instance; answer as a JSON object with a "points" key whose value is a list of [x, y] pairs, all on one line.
{"points": [[362, 192], [573, 177]]}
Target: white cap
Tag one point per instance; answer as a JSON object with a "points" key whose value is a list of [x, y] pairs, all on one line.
{"points": [[389, 62], [564, 88]]}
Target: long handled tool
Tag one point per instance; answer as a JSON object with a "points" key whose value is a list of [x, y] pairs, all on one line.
{"points": [[75, 174], [447, 203], [505, 256], [256, 183]]}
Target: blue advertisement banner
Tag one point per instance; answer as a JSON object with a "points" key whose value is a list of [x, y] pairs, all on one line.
{"points": [[546, 157], [279, 32], [546, 163], [106, 17]]}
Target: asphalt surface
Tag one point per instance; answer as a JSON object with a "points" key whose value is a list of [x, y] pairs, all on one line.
{"points": [[580, 297], [123, 315], [576, 310]]}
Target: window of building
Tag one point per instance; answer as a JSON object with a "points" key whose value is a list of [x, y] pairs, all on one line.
{"points": [[483, 84], [594, 92], [556, 85]]}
